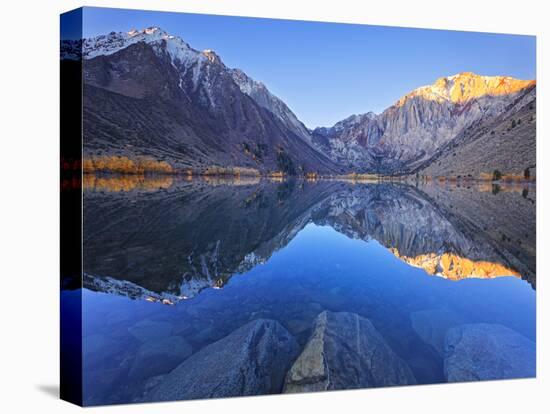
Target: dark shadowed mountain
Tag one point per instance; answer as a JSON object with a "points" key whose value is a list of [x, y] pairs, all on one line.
{"points": [[150, 94]]}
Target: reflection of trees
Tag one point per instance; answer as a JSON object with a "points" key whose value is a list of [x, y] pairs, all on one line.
{"points": [[230, 180], [127, 182]]}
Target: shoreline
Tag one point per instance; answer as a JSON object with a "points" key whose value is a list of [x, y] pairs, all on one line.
{"points": [[147, 166], [314, 177]]}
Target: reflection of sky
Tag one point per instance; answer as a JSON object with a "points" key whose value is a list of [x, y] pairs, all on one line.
{"points": [[371, 266]]}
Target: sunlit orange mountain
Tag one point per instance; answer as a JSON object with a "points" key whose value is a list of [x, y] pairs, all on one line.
{"points": [[466, 86]]}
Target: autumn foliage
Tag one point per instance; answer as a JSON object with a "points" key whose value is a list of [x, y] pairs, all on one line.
{"points": [[125, 165]]}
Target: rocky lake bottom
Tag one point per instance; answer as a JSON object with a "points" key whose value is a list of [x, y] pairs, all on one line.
{"points": [[195, 290]]}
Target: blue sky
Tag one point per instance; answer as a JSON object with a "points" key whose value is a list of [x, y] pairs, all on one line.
{"points": [[328, 71]]}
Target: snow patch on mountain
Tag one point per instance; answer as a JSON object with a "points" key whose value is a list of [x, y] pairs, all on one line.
{"points": [[113, 42], [263, 97], [128, 289]]}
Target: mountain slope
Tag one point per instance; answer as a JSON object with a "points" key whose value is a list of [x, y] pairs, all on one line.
{"points": [[506, 144], [261, 95], [149, 94], [411, 131]]}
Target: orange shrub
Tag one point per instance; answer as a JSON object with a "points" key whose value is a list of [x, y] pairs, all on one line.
{"points": [[124, 165]]}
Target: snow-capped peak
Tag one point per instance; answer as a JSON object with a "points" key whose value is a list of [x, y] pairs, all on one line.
{"points": [[151, 30], [115, 41], [187, 61], [147, 31]]}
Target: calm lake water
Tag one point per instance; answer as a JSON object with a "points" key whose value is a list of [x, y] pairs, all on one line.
{"points": [[172, 266]]}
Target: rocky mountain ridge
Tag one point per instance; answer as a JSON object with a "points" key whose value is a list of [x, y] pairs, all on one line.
{"points": [[410, 132], [149, 93]]}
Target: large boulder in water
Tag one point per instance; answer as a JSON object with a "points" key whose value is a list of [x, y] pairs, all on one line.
{"points": [[252, 360], [345, 351], [482, 351]]}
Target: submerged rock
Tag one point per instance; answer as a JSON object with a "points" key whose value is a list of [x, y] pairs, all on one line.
{"points": [[149, 330], [297, 326], [481, 351], [159, 356], [252, 360], [99, 345], [346, 351], [432, 326]]}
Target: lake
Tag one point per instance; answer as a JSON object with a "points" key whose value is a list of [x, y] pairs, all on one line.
{"points": [[439, 277]]}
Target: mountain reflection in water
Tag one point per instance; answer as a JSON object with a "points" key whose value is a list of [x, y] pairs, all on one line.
{"points": [[288, 251], [185, 237]]}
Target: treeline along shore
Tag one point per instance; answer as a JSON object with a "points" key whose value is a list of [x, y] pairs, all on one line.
{"points": [[148, 165]]}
